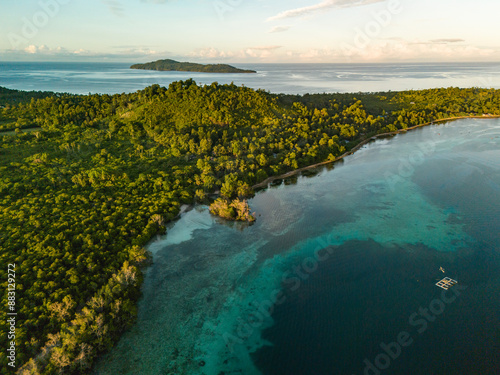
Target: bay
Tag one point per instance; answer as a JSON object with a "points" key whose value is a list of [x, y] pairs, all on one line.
{"points": [[338, 265], [113, 78]]}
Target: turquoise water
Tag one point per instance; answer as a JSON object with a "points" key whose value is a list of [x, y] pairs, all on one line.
{"points": [[338, 266], [112, 78]]}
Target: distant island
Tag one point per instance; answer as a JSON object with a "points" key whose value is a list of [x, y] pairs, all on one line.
{"points": [[172, 65]]}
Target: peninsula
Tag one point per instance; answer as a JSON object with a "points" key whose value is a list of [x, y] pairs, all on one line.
{"points": [[172, 65]]}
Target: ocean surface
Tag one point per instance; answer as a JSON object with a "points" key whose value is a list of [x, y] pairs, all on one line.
{"points": [[337, 275], [112, 78]]}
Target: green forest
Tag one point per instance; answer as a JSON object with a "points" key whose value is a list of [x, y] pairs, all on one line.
{"points": [[172, 65], [87, 180]]}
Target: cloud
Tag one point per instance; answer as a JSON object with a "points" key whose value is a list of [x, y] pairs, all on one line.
{"points": [[321, 7], [43, 50], [134, 52], [60, 53], [446, 41], [397, 50], [440, 41], [259, 52], [211, 53], [279, 29], [265, 48], [31, 49], [381, 50]]}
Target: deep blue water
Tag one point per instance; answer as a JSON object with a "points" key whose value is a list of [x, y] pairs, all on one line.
{"points": [[338, 266], [111, 78]]}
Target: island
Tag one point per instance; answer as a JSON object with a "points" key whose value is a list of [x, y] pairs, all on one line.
{"points": [[172, 65]]}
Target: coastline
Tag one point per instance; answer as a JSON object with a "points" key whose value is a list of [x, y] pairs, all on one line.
{"points": [[264, 184], [270, 179]]}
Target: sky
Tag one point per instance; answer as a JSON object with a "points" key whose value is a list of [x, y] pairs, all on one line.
{"points": [[256, 31]]}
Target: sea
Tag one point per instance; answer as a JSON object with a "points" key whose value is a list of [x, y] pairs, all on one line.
{"points": [[339, 273], [117, 78]]}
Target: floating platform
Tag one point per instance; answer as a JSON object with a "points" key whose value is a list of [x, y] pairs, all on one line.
{"points": [[446, 283]]}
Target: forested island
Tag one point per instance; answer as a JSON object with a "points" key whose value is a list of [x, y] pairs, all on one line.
{"points": [[172, 65], [97, 176]]}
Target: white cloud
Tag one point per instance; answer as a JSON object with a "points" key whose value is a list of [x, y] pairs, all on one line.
{"points": [[258, 52], [37, 52], [398, 50], [31, 49], [134, 52], [43, 50], [212, 53], [379, 50], [446, 41], [279, 29], [265, 48], [321, 7]]}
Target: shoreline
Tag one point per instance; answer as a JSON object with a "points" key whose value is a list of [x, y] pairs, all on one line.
{"points": [[267, 181]]}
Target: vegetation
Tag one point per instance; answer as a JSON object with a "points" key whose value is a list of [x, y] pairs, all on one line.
{"points": [[100, 175], [172, 65], [232, 210], [10, 97], [8, 100]]}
